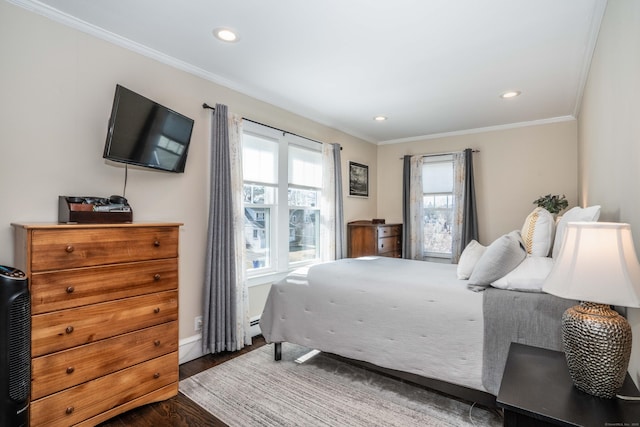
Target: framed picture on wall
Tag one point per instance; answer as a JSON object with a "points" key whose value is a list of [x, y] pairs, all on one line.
{"points": [[358, 180]]}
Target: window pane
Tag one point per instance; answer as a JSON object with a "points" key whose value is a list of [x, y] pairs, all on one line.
{"points": [[259, 159], [304, 234], [305, 167], [437, 185], [437, 177], [259, 194], [437, 226], [302, 197], [257, 236]]}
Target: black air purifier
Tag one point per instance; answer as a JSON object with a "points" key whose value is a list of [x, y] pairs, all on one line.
{"points": [[15, 347]]}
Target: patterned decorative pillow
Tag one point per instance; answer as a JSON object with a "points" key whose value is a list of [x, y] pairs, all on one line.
{"points": [[537, 232]]}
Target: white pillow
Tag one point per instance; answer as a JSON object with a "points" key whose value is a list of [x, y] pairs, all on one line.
{"points": [[501, 256], [537, 232], [575, 214], [468, 259], [529, 276]]}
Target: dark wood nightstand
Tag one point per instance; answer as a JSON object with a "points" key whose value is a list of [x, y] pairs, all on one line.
{"points": [[537, 390]]}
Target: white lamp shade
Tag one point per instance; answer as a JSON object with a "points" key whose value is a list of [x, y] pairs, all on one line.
{"points": [[597, 263]]}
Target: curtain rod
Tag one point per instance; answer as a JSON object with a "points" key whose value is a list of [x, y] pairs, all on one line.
{"points": [[438, 154], [205, 106]]}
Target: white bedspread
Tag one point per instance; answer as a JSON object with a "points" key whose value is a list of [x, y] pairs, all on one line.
{"points": [[410, 316]]}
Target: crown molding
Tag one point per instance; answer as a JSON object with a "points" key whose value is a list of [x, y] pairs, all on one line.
{"points": [[479, 130]]}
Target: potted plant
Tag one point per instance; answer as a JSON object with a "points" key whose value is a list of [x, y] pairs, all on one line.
{"points": [[553, 203]]}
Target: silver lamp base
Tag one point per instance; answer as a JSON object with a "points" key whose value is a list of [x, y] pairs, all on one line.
{"points": [[597, 344]]}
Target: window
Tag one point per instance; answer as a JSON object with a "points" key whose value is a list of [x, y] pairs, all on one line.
{"points": [[437, 188], [282, 193]]}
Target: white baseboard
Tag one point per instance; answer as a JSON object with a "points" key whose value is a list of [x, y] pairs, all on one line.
{"points": [[190, 348]]}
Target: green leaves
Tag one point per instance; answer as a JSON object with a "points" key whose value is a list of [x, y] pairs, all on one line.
{"points": [[553, 204]]}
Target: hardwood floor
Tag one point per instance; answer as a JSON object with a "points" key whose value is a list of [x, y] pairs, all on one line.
{"points": [[179, 410]]}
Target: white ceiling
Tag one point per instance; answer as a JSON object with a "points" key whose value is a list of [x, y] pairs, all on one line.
{"points": [[432, 67]]}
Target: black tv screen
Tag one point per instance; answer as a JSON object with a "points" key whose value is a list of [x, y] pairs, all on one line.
{"points": [[144, 133]]}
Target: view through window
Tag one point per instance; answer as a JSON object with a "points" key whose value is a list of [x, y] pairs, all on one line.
{"points": [[282, 193], [437, 188]]}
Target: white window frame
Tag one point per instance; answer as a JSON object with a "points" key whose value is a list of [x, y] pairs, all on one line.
{"points": [[279, 243], [439, 159]]}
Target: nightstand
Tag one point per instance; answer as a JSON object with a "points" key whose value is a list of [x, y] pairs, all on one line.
{"points": [[537, 390]]}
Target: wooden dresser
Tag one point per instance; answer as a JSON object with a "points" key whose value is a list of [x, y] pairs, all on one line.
{"points": [[104, 318], [365, 238]]}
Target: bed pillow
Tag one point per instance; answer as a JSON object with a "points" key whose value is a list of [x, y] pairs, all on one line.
{"points": [[537, 232], [468, 259], [528, 276], [500, 257], [592, 213]]}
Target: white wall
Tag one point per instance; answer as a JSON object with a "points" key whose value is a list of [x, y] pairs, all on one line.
{"points": [[609, 131], [56, 91], [512, 169]]}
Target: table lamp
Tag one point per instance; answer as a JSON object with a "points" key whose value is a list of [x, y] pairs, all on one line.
{"points": [[597, 265]]}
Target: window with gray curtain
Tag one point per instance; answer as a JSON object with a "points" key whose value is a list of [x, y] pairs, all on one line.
{"points": [[439, 210]]}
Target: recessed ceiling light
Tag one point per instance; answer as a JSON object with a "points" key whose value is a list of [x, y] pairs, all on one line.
{"points": [[510, 94], [225, 34], [380, 118]]}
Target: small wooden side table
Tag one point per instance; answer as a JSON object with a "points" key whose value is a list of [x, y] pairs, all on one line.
{"points": [[537, 390]]}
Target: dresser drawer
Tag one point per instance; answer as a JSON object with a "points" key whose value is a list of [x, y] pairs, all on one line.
{"points": [[102, 394], [389, 230], [55, 249], [67, 368], [63, 289], [68, 328], [388, 244]]}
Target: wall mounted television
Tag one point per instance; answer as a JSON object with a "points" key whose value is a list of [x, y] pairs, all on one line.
{"points": [[144, 133]]}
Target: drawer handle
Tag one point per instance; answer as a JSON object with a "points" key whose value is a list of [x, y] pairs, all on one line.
{"points": [[382, 245], [156, 343], [69, 410], [156, 310], [70, 289], [156, 277], [69, 249], [156, 243], [70, 370], [69, 329], [156, 375]]}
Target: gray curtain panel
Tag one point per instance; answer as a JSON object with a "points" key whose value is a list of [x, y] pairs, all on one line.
{"points": [[406, 208], [219, 316], [340, 231], [470, 222]]}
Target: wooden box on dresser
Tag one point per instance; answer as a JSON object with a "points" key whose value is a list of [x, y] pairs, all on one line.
{"points": [[104, 318], [367, 238]]}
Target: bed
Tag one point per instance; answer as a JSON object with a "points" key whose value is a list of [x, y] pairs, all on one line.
{"points": [[413, 319], [445, 326]]}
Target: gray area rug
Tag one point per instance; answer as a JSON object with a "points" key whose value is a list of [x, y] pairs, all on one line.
{"points": [[255, 390]]}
